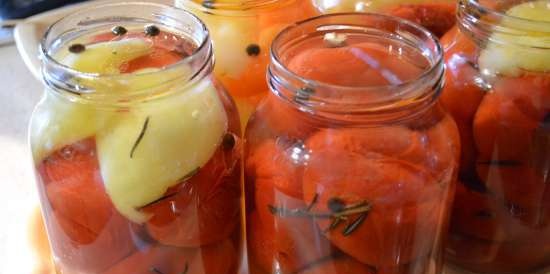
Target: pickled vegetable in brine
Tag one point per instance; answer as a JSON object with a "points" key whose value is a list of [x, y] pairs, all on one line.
{"points": [[330, 194], [438, 16], [139, 165], [242, 32], [499, 96]]}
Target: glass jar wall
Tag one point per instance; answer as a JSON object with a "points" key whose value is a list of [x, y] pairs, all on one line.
{"points": [[136, 149], [436, 15], [350, 160], [498, 91], [242, 32]]}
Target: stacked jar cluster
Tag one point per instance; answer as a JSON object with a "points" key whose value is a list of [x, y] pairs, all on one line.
{"points": [[368, 145]]}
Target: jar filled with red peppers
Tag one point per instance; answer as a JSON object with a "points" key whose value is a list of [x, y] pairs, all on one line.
{"points": [[137, 150], [498, 91], [351, 160]]}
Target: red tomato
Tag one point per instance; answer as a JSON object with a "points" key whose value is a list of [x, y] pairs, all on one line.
{"points": [[158, 58], [340, 265], [277, 117], [493, 257], [252, 81], [347, 66], [520, 188], [219, 258], [288, 14], [272, 161], [202, 210], [462, 92], [406, 205], [436, 17], [284, 245], [478, 215], [155, 259], [436, 149], [81, 219], [502, 131]]}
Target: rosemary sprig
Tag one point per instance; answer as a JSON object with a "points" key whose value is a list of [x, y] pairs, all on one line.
{"points": [[298, 212], [339, 212], [189, 175], [140, 137], [335, 223], [185, 268], [160, 200], [313, 202], [502, 163], [155, 270], [350, 228], [183, 179]]}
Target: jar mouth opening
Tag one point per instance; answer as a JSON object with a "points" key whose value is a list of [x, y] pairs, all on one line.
{"points": [[496, 8], [485, 17], [416, 88], [240, 8], [105, 16]]}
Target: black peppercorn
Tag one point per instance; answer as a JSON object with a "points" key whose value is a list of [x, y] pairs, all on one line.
{"points": [[303, 94], [336, 205], [152, 30], [209, 4], [77, 48], [119, 30], [253, 50], [546, 121], [228, 141]]}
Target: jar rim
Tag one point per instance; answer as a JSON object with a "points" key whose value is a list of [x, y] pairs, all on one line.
{"points": [[488, 10], [82, 18], [242, 8], [482, 20], [430, 78]]}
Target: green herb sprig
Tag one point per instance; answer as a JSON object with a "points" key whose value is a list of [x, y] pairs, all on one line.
{"points": [[339, 213], [140, 136]]}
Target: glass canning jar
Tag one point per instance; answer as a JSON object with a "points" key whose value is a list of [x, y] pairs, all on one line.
{"points": [[350, 161], [436, 15], [498, 91], [136, 149], [242, 32]]}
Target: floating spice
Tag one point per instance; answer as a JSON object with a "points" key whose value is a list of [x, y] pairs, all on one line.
{"points": [[313, 202], [253, 50], [228, 141], [303, 94], [119, 30], [185, 268], [483, 214], [336, 205], [77, 48], [335, 40], [209, 4], [502, 163], [475, 184], [185, 178], [152, 30], [140, 136], [155, 270]]}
